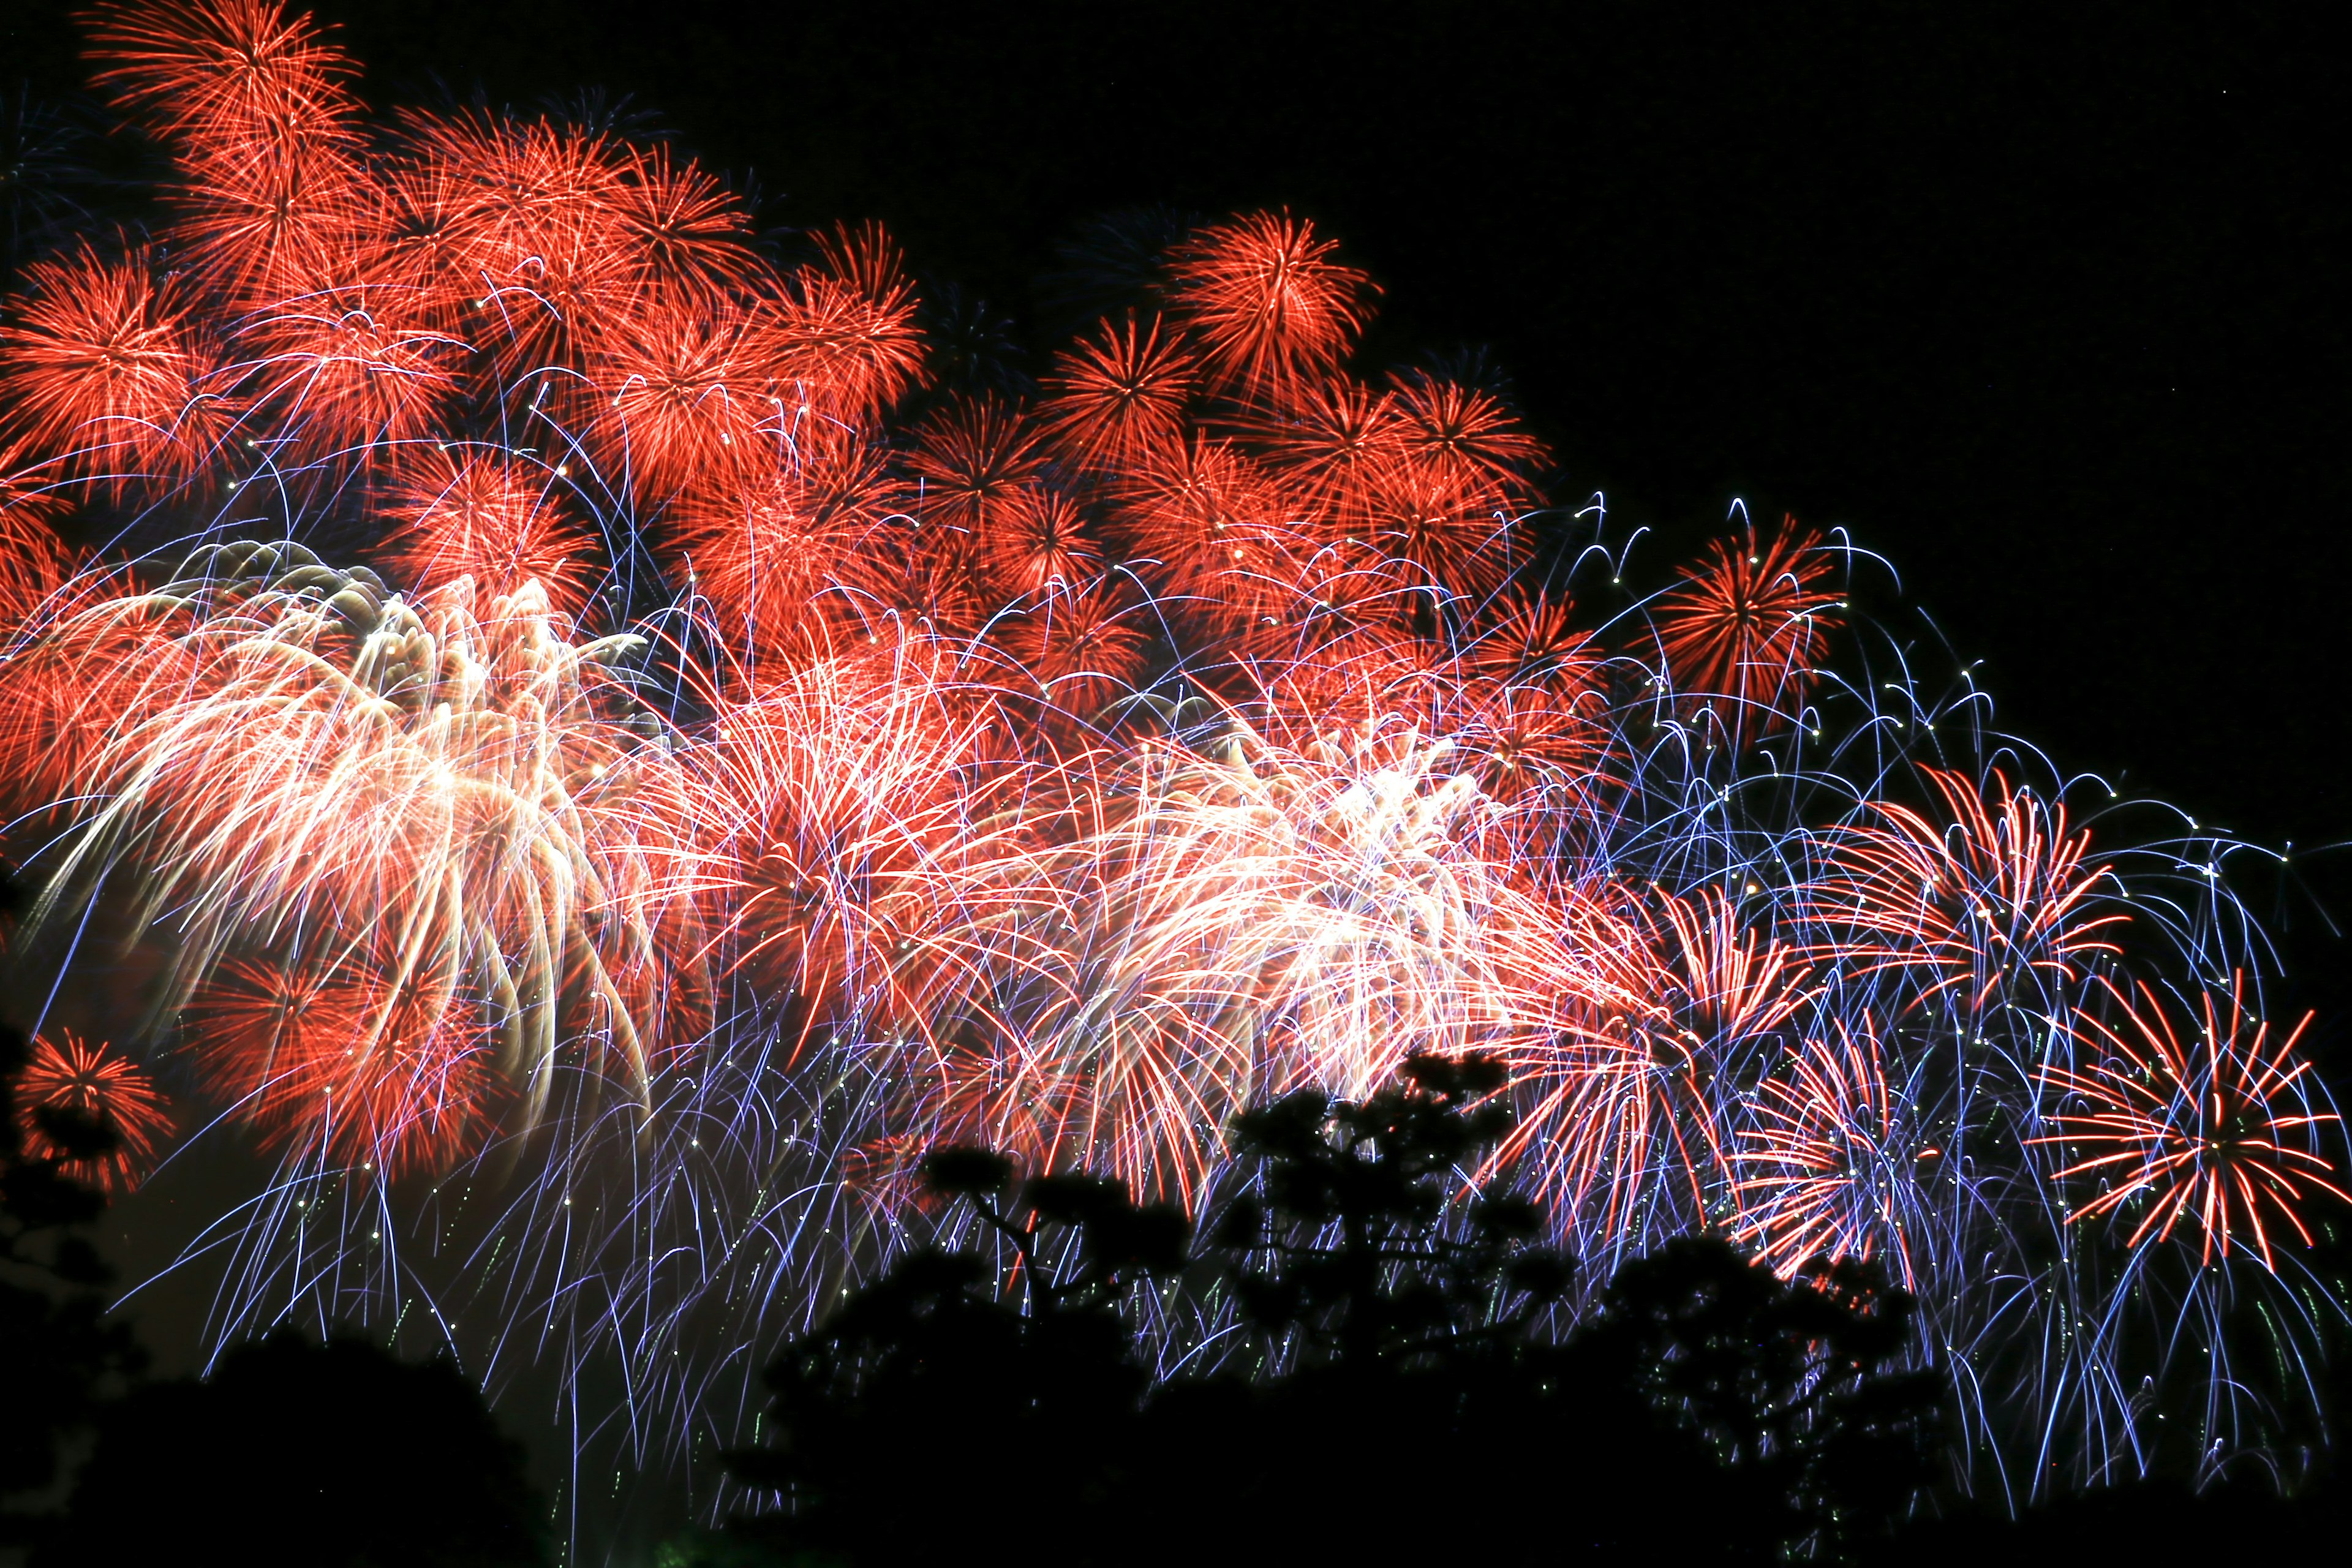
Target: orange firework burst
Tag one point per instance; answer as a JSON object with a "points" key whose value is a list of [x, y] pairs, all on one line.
{"points": [[2005, 898], [1749, 626], [489, 516], [1267, 303], [1824, 1170], [2216, 1128], [104, 1085]]}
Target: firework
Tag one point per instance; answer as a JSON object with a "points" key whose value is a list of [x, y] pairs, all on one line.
{"points": [[318, 768], [110, 372], [744, 763], [1749, 626], [102, 1085], [1266, 301], [1121, 394], [2001, 897], [489, 517], [2215, 1130], [1824, 1174]]}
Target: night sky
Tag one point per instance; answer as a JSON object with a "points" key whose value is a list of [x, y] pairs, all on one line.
{"points": [[2046, 308], [2048, 311]]}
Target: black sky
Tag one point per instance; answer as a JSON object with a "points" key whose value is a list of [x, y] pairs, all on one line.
{"points": [[2046, 308], [2044, 303]]}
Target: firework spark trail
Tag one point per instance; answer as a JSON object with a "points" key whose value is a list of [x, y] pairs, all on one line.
{"points": [[334, 777], [741, 763], [2215, 1135]]}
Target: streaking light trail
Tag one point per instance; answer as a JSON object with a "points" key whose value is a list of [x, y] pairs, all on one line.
{"points": [[607, 761]]}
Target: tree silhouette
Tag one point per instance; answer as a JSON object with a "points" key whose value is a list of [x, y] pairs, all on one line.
{"points": [[1405, 1394], [1790, 1384], [931, 1377], [334, 1456], [61, 1356], [1347, 1253]]}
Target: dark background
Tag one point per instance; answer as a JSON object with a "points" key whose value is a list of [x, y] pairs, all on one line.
{"points": [[2043, 303], [2046, 304]]}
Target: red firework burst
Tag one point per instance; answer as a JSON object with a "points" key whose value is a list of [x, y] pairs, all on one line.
{"points": [[1750, 625], [1449, 534], [848, 338], [104, 1085], [2005, 897], [1119, 395], [795, 557], [1081, 642], [1267, 303], [270, 195], [2216, 1128], [1724, 981], [1346, 625], [34, 562], [268, 222], [1821, 1172], [968, 460], [1464, 437], [109, 372], [1035, 539], [69, 698], [683, 236], [1330, 445], [340, 1059], [1533, 639], [351, 367], [482, 513], [690, 394], [972, 453], [838, 796], [514, 229], [1530, 743], [214, 67], [1206, 525]]}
